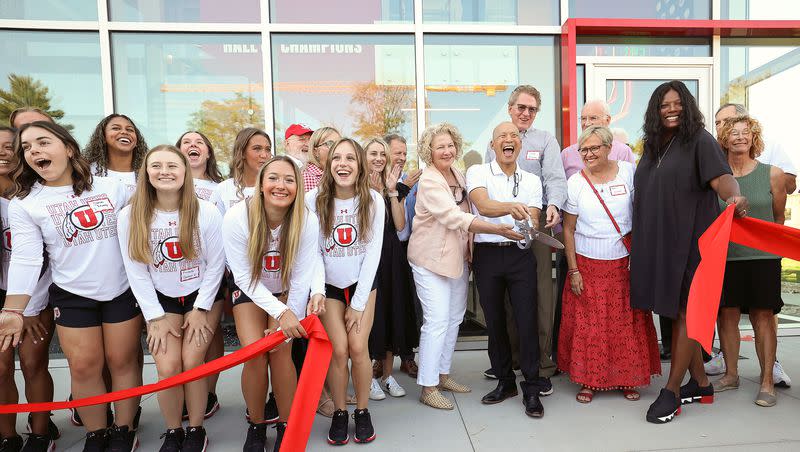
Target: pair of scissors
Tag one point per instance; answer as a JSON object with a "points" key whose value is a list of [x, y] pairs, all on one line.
{"points": [[531, 235]]}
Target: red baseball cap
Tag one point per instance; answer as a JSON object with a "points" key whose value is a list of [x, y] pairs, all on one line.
{"points": [[297, 129]]}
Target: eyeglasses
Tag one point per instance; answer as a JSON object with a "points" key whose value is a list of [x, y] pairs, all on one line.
{"points": [[743, 133], [515, 191], [592, 149], [459, 193], [522, 108], [327, 144], [593, 118]]}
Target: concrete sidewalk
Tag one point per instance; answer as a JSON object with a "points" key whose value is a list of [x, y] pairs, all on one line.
{"points": [[609, 423]]}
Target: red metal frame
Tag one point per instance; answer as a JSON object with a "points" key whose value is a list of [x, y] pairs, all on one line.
{"points": [[575, 27]]}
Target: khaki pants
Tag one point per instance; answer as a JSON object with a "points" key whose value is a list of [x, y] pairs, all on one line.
{"points": [[546, 308]]}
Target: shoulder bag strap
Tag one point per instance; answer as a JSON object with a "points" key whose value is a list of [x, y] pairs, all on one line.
{"points": [[601, 202]]}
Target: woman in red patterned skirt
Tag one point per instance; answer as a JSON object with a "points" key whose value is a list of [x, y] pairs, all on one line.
{"points": [[604, 344]]}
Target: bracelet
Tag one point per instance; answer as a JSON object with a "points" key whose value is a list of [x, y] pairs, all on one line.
{"points": [[18, 314], [573, 271], [13, 309], [392, 194], [156, 318]]}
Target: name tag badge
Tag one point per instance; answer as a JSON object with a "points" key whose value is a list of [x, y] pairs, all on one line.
{"points": [[190, 273], [102, 204], [533, 155], [618, 190]]}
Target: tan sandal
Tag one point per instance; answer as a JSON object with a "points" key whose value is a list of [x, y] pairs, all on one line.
{"points": [[351, 399], [436, 400], [448, 384], [326, 406]]}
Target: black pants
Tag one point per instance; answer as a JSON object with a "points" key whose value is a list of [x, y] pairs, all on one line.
{"points": [[501, 270]]}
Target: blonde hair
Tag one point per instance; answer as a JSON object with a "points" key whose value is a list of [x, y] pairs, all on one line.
{"points": [[316, 140], [757, 143], [386, 155], [238, 159], [143, 205], [424, 150], [260, 234], [327, 190]]}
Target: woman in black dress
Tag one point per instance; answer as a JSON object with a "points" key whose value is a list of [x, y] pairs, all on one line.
{"points": [[677, 182], [394, 331]]}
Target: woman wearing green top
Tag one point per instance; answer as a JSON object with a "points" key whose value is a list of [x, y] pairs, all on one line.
{"points": [[752, 278]]}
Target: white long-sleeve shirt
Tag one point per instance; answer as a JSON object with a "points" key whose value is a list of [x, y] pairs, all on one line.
{"points": [[41, 295], [204, 188], [347, 257], [236, 234], [226, 195], [126, 178], [79, 234], [170, 273]]}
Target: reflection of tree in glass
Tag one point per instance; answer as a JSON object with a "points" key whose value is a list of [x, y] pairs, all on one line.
{"points": [[221, 121], [24, 91], [380, 109]]}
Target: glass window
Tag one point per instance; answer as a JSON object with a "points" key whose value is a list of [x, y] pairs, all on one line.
{"points": [[643, 46], [762, 9], [170, 83], [334, 12], [540, 12], [643, 9], [468, 84], [62, 68], [184, 11], [361, 84], [49, 9]]}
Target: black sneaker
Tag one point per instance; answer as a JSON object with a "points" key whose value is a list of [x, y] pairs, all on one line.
{"points": [[196, 440], [337, 435], [122, 439], [212, 405], [271, 410], [11, 444], [173, 438], [665, 408], [280, 429], [38, 443], [489, 373], [365, 433], [96, 441], [52, 429], [136, 418], [256, 438], [692, 392], [545, 386]]}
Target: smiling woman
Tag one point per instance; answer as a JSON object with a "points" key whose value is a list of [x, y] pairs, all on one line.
{"points": [[116, 149]]}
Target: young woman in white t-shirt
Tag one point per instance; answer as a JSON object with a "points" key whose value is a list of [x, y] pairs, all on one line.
{"points": [[206, 177], [351, 216], [251, 149], [116, 149], [38, 331], [171, 245], [271, 244], [60, 208]]}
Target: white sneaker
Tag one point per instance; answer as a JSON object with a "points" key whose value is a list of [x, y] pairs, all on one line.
{"points": [[715, 366], [375, 391], [780, 377], [394, 388]]}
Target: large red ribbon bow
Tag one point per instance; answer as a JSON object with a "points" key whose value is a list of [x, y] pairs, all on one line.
{"points": [[706, 288], [301, 418]]}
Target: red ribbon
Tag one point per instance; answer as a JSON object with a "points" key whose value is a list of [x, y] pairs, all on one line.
{"points": [[301, 418], [706, 288]]}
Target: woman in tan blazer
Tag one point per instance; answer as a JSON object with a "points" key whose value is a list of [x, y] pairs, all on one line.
{"points": [[438, 252]]}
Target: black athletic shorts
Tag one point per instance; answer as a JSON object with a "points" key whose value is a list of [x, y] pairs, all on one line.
{"points": [[75, 311], [177, 305], [346, 294], [238, 296]]}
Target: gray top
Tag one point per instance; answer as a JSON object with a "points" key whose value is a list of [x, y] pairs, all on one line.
{"points": [[541, 155]]}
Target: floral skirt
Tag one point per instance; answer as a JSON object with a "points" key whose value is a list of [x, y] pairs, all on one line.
{"points": [[605, 344]]}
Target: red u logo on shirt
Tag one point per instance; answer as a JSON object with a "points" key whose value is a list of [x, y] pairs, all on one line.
{"points": [[7, 239], [171, 249], [85, 218], [345, 234], [272, 261]]}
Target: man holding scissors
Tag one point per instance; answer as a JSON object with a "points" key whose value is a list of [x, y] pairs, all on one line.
{"points": [[501, 192]]}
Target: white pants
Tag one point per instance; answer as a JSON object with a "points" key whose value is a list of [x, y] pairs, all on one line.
{"points": [[444, 302]]}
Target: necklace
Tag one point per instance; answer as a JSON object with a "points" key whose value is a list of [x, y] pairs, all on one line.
{"points": [[658, 165]]}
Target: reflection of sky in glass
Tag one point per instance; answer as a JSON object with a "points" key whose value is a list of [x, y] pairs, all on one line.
{"points": [[642, 9], [761, 9], [68, 64], [49, 9], [315, 79], [628, 101], [161, 79], [539, 12], [341, 12], [185, 11], [468, 84]]}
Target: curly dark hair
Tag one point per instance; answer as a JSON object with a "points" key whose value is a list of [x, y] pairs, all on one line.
{"points": [[96, 151], [24, 176], [212, 171], [691, 122]]}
